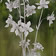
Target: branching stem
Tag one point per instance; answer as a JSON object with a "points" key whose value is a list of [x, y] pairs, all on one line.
{"points": [[38, 26]]}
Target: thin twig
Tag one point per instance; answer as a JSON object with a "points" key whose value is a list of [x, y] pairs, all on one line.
{"points": [[38, 26]]}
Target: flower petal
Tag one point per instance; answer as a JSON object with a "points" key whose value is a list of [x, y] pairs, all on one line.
{"points": [[28, 23], [26, 33], [50, 22], [12, 29], [39, 7], [30, 29], [47, 2], [16, 32], [7, 25], [45, 6]]}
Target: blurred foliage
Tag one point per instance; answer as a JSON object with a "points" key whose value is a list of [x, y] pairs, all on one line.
{"points": [[9, 43]]}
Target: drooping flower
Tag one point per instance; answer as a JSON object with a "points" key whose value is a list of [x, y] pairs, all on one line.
{"points": [[9, 5], [15, 28], [42, 4], [51, 18], [27, 43], [9, 21], [27, 28], [30, 10], [16, 4], [38, 46], [24, 43]]}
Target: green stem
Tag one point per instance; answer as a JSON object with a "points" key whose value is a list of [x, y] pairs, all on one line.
{"points": [[24, 50], [38, 26], [19, 10], [23, 47]]}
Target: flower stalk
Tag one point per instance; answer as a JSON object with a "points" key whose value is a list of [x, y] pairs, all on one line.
{"points": [[19, 10], [24, 11], [38, 26]]}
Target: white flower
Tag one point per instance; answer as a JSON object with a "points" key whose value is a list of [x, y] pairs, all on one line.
{"points": [[19, 27], [27, 28], [24, 43], [9, 21], [51, 18], [21, 24], [26, 0], [33, 54], [15, 28], [38, 46], [16, 4], [30, 10], [9, 5], [27, 43], [42, 4]]}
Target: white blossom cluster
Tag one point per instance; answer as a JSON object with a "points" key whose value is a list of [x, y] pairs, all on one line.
{"points": [[34, 53], [38, 46], [19, 27], [25, 44], [22, 29]]}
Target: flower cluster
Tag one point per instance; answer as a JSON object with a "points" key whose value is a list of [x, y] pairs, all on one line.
{"points": [[19, 27], [34, 53], [38, 46], [24, 44]]}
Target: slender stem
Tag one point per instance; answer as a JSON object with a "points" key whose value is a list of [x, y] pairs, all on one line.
{"points": [[19, 10], [24, 11], [41, 15], [23, 50], [28, 50], [38, 26], [36, 36], [23, 47]]}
